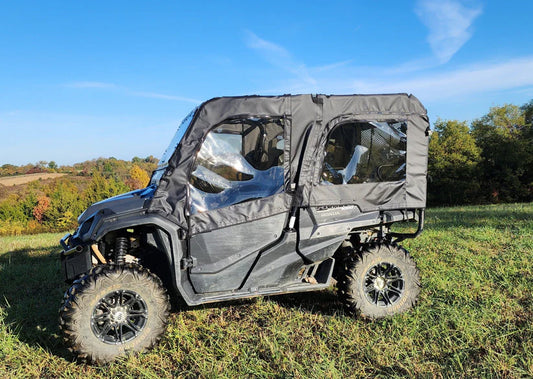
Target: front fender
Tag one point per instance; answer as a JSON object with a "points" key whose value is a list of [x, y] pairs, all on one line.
{"points": [[103, 224]]}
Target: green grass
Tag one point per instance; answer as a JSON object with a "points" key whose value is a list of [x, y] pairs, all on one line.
{"points": [[474, 317]]}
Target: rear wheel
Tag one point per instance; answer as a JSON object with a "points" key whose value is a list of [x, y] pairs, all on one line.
{"points": [[380, 281], [112, 311]]}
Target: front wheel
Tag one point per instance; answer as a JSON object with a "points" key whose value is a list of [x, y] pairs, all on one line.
{"points": [[112, 311], [380, 281]]}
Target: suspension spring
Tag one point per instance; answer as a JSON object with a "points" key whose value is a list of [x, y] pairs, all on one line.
{"points": [[122, 245]]}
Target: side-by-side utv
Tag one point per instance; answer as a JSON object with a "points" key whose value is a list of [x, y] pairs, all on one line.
{"points": [[254, 196]]}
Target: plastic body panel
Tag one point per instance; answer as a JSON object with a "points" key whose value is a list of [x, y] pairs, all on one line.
{"points": [[322, 229], [224, 256], [74, 264]]}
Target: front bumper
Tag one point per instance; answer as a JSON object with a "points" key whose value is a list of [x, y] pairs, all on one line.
{"points": [[75, 259]]}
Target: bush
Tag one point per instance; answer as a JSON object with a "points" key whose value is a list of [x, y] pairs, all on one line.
{"points": [[138, 179], [101, 188], [12, 228]]}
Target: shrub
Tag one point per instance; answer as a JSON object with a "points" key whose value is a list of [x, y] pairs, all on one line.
{"points": [[139, 178], [43, 204]]}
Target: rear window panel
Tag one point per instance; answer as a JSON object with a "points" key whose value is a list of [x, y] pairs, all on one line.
{"points": [[365, 151]]}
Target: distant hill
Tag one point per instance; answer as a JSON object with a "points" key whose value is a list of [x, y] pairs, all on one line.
{"points": [[46, 197]]}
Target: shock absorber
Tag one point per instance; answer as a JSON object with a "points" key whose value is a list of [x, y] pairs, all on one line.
{"points": [[122, 245]]}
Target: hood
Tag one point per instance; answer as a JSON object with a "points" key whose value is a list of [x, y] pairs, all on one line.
{"points": [[118, 204]]}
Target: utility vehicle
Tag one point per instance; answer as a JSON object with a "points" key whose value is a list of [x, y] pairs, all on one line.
{"points": [[254, 196]]}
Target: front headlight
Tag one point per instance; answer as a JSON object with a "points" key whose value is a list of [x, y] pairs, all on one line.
{"points": [[85, 227]]}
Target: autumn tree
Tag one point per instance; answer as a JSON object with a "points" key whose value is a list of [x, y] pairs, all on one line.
{"points": [[42, 206], [138, 178]]}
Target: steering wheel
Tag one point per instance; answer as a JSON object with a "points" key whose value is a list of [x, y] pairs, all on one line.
{"points": [[337, 177]]}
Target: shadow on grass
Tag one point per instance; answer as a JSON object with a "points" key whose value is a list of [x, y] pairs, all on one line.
{"points": [[32, 287], [31, 290], [323, 302]]}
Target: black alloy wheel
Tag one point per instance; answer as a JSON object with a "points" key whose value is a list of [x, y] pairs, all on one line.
{"points": [[379, 281], [119, 317]]}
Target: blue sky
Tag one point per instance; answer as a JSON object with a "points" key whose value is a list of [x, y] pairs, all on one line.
{"points": [[81, 80]]}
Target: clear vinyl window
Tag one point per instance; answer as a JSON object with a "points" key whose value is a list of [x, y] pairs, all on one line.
{"points": [[239, 160], [365, 151]]}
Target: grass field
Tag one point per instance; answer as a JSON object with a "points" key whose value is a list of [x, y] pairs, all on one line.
{"points": [[23, 179], [474, 317]]}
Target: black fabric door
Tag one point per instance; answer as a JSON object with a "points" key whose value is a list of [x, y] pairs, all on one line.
{"points": [[237, 201]]}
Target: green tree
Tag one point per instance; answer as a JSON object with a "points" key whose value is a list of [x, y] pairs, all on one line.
{"points": [[64, 206], [11, 209], [527, 140], [453, 164], [101, 188], [505, 156], [527, 108]]}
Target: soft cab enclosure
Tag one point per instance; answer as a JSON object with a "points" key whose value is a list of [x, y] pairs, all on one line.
{"points": [[244, 171], [367, 151], [251, 183]]}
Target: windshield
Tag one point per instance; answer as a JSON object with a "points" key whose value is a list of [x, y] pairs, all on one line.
{"points": [[163, 162], [177, 138]]}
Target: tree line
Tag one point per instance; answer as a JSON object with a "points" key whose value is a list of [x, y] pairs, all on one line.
{"points": [[488, 161]]}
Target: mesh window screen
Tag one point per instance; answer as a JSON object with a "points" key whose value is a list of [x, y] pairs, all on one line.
{"points": [[365, 151]]}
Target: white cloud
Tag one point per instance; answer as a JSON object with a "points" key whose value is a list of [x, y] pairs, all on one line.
{"points": [[129, 92], [280, 57], [449, 23], [273, 52], [478, 78], [515, 73], [100, 85]]}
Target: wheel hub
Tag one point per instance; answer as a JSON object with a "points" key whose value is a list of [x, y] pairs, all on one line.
{"points": [[119, 317], [380, 283]]}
